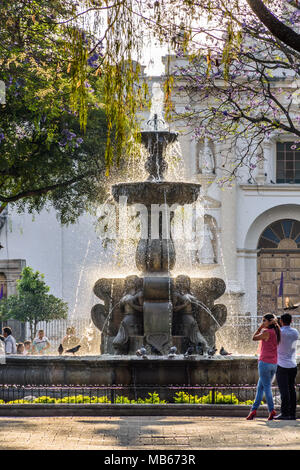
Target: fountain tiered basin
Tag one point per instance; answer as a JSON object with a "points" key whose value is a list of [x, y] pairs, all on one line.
{"points": [[157, 192], [155, 310]]}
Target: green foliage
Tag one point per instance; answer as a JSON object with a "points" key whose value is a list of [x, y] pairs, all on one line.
{"points": [[52, 132], [32, 303], [219, 398]]}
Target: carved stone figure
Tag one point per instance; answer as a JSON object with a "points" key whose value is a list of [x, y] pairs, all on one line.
{"points": [[208, 162], [3, 218], [183, 302], [207, 254], [157, 103], [131, 305]]}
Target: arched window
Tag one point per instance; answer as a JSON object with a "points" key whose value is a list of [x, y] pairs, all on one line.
{"points": [[283, 234]]}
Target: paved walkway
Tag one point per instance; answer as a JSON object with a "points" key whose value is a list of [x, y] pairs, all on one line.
{"points": [[147, 432]]}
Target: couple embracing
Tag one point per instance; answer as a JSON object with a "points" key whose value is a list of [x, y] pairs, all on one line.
{"points": [[277, 357]]}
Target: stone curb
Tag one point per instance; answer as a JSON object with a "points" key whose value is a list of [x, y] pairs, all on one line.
{"points": [[48, 410]]}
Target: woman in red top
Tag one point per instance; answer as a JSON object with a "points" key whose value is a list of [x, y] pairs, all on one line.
{"points": [[269, 335]]}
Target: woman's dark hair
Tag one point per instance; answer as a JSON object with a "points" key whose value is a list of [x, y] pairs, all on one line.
{"points": [[269, 317], [7, 330]]}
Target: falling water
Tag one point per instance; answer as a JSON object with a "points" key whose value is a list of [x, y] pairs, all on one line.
{"points": [[79, 280], [168, 253]]}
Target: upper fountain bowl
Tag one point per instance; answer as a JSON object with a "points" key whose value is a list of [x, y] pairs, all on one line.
{"points": [[152, 136], [157, 192]]}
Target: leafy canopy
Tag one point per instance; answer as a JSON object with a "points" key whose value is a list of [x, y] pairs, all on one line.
{"points": [[52, 133]]}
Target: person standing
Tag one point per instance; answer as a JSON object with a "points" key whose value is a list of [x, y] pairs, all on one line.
{"points": [[269, 335], [9, 341], [287, 368]]}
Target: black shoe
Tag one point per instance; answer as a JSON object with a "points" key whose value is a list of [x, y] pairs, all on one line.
{"points": [[282, 417], [292, 418]]}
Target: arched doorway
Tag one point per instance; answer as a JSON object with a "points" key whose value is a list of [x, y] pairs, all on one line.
{"points": [[278, 254]]}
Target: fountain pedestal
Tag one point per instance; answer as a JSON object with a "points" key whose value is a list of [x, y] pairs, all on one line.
{"points": [[158, 314], [156, 307]]}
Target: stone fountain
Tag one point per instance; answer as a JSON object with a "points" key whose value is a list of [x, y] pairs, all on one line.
{"points": [[155, 310]]}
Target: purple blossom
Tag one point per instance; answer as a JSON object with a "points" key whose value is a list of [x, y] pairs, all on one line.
{"points": [[91, 60]]}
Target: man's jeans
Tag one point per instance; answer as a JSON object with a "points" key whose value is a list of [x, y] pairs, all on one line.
{"points": [[286, 382], [266, 374]]}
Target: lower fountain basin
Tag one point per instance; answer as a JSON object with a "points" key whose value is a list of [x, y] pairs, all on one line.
{"points": [[129, 370], [157, 192]]}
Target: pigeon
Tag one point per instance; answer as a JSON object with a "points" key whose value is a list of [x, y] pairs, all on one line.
{"points": [[142, 353], [212, 351], [73, 350], [173, 351], [292, 307], [223, 352], [60, 349], [189, 351]]}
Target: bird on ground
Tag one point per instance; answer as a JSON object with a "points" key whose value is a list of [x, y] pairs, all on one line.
{"points": [[74, 350], [60, 349], [173, 351], [223, 352]]}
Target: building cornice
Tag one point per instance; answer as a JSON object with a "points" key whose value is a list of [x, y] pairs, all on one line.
{"points": [[270, 188]]}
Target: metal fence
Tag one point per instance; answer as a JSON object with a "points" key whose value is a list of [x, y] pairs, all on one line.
{"points": [[119, 394], [56, 329]]}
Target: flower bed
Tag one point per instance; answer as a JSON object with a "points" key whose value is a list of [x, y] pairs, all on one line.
{"points": [[153, 398]]}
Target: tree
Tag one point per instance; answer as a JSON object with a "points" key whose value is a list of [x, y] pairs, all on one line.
{"points": [[278, 28], [98, 38], [241, 84], [46, 155], [32, 303], [236, 50]]}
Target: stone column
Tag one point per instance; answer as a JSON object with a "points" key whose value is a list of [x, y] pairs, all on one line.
{"points": [[268, 161], [228, 231]]}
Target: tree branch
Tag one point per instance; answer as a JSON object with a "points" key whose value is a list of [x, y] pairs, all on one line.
{"points": [[40, 191], [285, 34]]}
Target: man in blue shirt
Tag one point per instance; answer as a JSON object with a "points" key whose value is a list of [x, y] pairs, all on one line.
{"points": [[287, 368]]}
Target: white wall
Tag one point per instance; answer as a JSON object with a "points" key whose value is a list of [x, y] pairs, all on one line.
{"points": [[71, 258]]}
